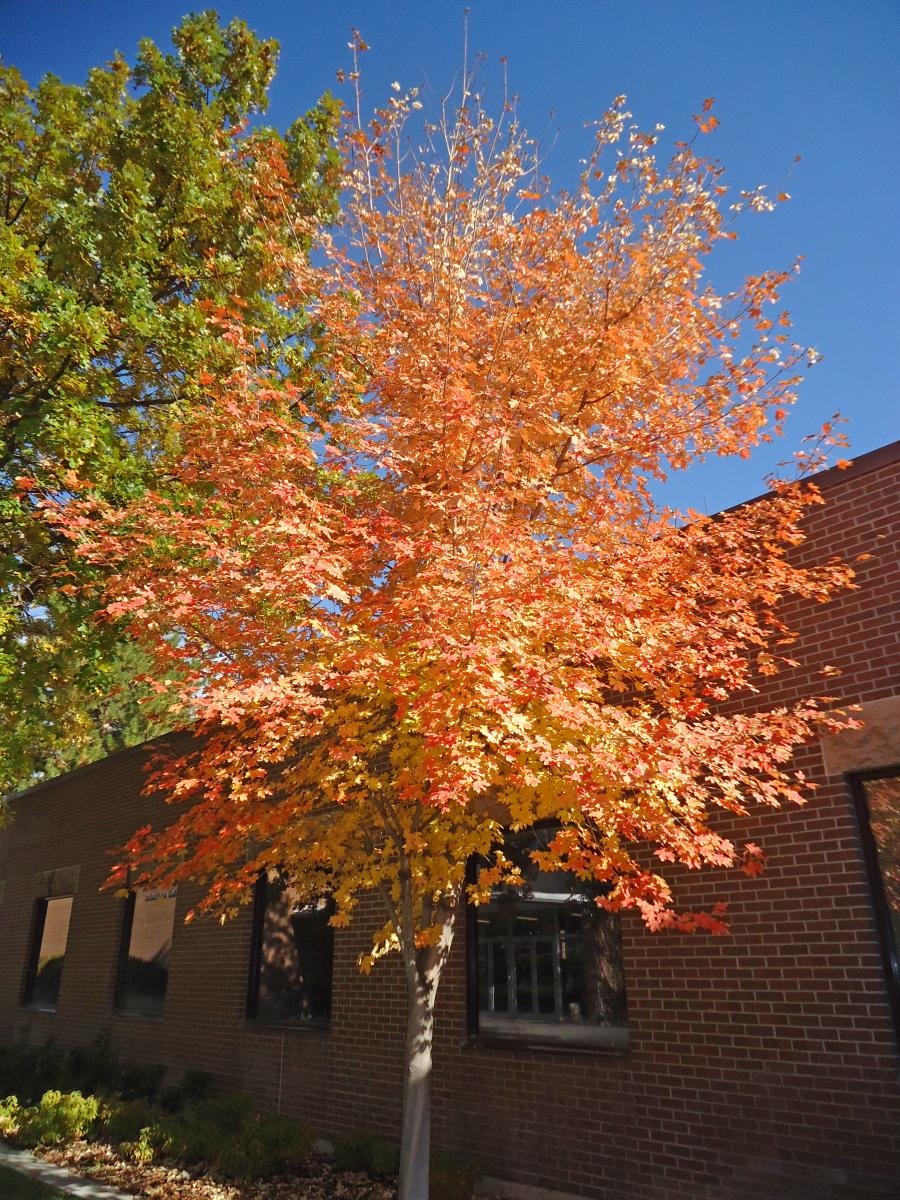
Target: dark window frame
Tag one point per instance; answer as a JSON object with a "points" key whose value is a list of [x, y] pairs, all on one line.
{"points": [[126, 930], [884, 928], [522, 1039], [257, 933], [257, 928], [38, 923], [124, 947]]}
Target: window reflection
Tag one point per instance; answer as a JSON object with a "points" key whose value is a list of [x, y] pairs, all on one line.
{"points": [[295, 952], [878, 807], [144, 975], [48, 955], [549, 960], [883, 796]]}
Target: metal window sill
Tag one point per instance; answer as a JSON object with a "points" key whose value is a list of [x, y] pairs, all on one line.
{"points": [[255, 1025], [515, 1043]]}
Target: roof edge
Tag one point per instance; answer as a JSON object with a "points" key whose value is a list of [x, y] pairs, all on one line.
{"points": [[86, 768], [861, 464]]}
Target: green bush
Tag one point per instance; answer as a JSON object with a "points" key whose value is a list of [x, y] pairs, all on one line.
{"points": [[360, 1150], [122, 1120], [202, 1131], [143, 1149], [193, 1086], [189, 1139], [98, 1068], [226, 1134], [452, 1177], [9, 1116], [58, 1117], [29, 1071], [265, 1145], [152, 1142], [228, 1113], [223, 1133]]}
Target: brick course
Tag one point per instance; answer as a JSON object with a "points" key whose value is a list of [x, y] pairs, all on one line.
{"points": [[762, 1064]]}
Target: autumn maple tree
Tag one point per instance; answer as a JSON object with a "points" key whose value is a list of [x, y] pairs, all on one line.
{"points": [[447, 605]]}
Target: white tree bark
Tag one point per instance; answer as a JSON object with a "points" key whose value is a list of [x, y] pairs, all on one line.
{"points": [[423, 973]]}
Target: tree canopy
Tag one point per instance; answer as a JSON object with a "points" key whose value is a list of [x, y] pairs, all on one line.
{"points": [[446, 605], [132, 208]]}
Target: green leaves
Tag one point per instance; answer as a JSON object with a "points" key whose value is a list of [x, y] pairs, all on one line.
{"points": [[133, 210]]}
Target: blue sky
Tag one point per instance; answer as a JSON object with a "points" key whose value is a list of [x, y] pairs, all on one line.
{"points": [[817, 78]]}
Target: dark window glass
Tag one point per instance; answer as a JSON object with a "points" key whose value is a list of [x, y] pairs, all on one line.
{"points": [[51, 932], [294, 956], [146, 946], [549, 961], [877, 796]]}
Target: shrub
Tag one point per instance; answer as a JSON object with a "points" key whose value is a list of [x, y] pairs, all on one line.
{"points": [[193, 1086], [228, 1113], [10, 1110], [272, 1143], [360, 1150], [142, 1150], [91, 1068], [152, 1142], [98, 1068], [452, 1177], [29, 1071], [265, 1146], [59, 1117], [140, 1081], [188, 1138], [123, 1120], [226, 1133]]}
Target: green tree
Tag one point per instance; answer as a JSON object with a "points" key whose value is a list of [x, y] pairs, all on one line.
{"points": [[133, 210]]}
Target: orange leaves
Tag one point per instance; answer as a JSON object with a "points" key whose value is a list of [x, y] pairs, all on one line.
{"points": [[707, 124], [754, 860], [446, 603]]}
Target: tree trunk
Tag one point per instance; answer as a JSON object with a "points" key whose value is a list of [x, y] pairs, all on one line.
{"points": [[423, 974]]}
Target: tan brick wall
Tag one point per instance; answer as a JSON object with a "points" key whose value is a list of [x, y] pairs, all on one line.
{"points": [[762, 1064]]}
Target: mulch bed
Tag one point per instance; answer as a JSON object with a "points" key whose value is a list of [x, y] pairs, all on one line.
{"points": [[155, 1182]]}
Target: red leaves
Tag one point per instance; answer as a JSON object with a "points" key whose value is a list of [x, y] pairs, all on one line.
{"points": [[446, 603], [754, 860]]}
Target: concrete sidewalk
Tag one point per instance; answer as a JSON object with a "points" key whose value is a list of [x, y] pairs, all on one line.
{"points": [[64, 1181]]}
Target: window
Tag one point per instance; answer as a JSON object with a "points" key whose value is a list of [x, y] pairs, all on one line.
{"points": [[293, 952], [546, 960], [48, 950], [146, 946], [877, 798]]}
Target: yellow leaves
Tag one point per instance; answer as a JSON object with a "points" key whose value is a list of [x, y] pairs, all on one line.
{"points": [[335, 592]]}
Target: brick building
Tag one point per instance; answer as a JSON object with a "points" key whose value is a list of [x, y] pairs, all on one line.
{"points": [[764, 1063]]}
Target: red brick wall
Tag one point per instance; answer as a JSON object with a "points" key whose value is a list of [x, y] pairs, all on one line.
{"points": [[762, 1064]]}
